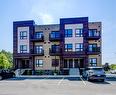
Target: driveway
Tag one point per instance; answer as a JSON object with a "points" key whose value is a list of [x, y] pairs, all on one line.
{"points": [[62, 85]]}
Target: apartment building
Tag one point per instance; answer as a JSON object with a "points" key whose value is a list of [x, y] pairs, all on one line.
{"points": [[74, 43]]}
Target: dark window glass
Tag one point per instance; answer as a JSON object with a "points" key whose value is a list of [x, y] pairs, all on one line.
{"points": [[68, 32], [55, 34], [55, 62], [38, 35], [70, 63], [79, 47], [65, 65], [78, 32], [68, 47], [92, 47], [23, 48], [39, 62], [93, 61], [55, 48], [93, 32], [23, 34]]}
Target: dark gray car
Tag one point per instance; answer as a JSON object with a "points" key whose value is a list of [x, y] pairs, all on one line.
{"points": [[94, 73]]}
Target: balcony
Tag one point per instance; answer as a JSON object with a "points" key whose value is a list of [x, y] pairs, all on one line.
{"points": [[55, 52], [37, 39], [93, 34], [54, 38], [37, 53], [94, 51], [73, 54]]}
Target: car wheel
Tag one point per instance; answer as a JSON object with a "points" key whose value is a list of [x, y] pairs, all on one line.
{"points": [[0, 77], [102, 80]]}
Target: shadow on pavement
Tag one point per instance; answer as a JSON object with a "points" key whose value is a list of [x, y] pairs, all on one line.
{"points": [[74, 79], [99, 82], [41, 78]]}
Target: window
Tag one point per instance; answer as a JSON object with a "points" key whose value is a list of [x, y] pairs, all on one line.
{"points": [[39, 62], [78, 32], [93, 61], [38, 35], [93, 47], [68, 47], [23, 48], [68, 32], [93, 32], [55, 48], [23, 34], [55, 62], [38, 49], [55, 34], [79, 47]]}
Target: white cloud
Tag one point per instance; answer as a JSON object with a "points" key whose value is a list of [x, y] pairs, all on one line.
{"points": [[46, 18], [41, 15]]}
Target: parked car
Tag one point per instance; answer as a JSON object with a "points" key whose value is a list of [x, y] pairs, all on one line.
{"points": [[4, 74], [94, 73], [113, 71]]}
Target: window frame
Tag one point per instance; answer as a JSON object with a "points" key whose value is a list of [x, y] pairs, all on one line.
{"points": [[22, 50], [79, 32], [93, 33], [93, 46], [91, 61], [55, 34], [39, 64], [68, 49], [68, 32], [38, 34], [55, 62], [55, 48], [38, 49], [80, 48], [22, 36]]}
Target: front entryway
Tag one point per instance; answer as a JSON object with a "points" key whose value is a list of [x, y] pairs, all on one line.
{"points": [[73, 65], [22, 63]]}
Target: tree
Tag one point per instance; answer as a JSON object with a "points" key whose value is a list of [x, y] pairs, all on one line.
{"points": [[4, 62], [113, 66], [9, 55]]}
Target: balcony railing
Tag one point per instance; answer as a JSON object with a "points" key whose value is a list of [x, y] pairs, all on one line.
{"points": [[95, 50], [54, 38], [37, 52], [74, 52], [54, 52], [37, 39]]}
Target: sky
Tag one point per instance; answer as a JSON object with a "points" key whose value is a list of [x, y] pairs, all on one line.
{"points": [[50, 11]]}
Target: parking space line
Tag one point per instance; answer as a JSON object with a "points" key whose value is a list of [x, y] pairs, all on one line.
{"points": [[83, 80], [60, 81]]}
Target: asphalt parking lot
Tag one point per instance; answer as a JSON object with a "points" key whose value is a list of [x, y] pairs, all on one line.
{"points": [[34, 85]]}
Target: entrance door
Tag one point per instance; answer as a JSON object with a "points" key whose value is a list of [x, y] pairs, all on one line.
{"points": [[81, 63], [76, 63], [24, 64]]}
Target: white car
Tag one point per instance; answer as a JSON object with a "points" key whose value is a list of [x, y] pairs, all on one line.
{"points": [[113, 71], [94, 73]]}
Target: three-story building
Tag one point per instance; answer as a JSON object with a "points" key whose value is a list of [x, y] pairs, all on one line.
{"points": [[74, 43]]}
